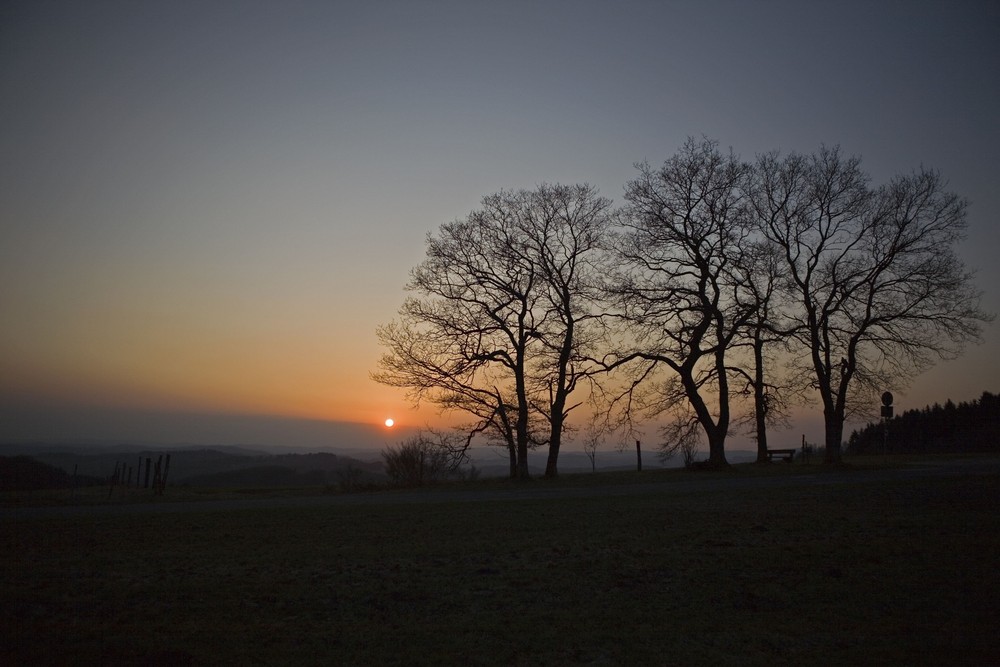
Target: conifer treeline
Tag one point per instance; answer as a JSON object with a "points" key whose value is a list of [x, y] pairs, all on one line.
{"points": [[967, 427]]}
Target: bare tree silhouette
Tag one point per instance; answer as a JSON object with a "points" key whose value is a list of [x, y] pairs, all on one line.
{"points": [[879, 290], [686, 237], [497, 328]]}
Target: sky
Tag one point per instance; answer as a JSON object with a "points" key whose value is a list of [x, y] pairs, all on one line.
{"points": [[206, 208]]}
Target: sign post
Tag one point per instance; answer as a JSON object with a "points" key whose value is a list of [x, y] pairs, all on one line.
{"points": [[886, 416]]}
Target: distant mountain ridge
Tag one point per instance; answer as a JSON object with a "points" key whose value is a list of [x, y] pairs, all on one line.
{"points": [[204, 466], [23, 473], [239, 466]]}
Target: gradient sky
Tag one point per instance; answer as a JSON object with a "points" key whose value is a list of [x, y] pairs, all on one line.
{"points": [[209, 206]]}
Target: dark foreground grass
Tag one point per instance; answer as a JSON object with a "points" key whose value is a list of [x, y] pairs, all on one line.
{"points": [[897, 573]]}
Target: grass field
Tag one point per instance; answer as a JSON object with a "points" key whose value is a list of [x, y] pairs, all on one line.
{"points": [[869, 573]]}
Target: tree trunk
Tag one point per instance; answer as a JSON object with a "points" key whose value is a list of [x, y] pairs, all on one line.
{"points": [[558, 403], [523, 406], [761, 436], [550, 463], [760, 401], [717, 448], [834, 434], [522, 461], [716, 433], [833, 413], [717, 439], [555, 440]]}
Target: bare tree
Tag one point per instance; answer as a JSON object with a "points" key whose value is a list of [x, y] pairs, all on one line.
{"points": [[879, 291], [765, 331], [716, 265], [496, 329], [681, 434], [433, 367], [464, 344], [686, 230], [591, 441], [421, 459], [565, 227]]}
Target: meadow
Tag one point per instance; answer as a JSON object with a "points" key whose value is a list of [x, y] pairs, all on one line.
{"points": [[899, 572]]}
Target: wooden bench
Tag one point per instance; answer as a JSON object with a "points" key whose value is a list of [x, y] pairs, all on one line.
{"points": [[786, 454]]}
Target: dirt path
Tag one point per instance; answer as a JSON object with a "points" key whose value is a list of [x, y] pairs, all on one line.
{"points": [[971, 466]]}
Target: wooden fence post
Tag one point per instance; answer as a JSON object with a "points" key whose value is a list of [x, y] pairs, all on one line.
{"points": [[156, 473], [163, 480]]}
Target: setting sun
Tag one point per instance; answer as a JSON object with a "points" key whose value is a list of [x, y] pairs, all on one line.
{"points": [[389, 423]]}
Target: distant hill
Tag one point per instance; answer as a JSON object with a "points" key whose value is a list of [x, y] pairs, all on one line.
{"points": [[221, 466], [249, 467], [23, 473]]}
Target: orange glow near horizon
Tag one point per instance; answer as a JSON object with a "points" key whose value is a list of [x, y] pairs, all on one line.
{"points": [[208, 267], [171, 385]]}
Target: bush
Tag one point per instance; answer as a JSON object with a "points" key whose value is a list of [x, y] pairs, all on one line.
{"points": [[689, 450], [416, 462]]}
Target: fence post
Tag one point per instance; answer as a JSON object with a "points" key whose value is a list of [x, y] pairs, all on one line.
{"points": [[156, 473], [163, 480]]}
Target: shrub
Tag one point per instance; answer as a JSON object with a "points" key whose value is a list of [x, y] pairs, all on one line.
{"points": [[417, 461]]}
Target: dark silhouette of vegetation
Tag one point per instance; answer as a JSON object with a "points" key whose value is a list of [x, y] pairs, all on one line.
{"points": [[761, 341], [23, 473], [683, 262], [498, 327], [420, 460], [972, 426], [726, 286], [874, 288]]}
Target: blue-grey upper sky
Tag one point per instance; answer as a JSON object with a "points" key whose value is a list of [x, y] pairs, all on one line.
{"points": [[210, 205]]}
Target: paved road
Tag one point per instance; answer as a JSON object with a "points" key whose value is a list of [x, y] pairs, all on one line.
{"points": [[975, 466]]}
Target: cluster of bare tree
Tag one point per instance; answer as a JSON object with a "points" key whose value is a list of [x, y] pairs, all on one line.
{"points": [[720, 291]]}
